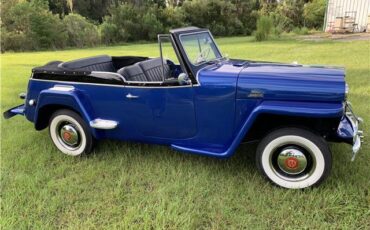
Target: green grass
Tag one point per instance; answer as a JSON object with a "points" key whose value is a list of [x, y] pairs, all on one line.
{"points": [[145, 186]]}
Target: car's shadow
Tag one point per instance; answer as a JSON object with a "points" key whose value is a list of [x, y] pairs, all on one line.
{"points": [[242, 161]]}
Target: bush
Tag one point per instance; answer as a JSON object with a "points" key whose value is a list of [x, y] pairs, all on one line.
{"points": [[31, 26], [223, 18], [133, 23], [126, 19], [14, 41], [109, 33], [264, 27], [277, 31], [304, 31], [81, 32], [301, 31], [151, 26], [286, 14], [171, 17], [314, 13], [48, 31]]}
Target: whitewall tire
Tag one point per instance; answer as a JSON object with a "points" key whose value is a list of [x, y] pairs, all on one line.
{"points": [[294, 158], [70, 133]]}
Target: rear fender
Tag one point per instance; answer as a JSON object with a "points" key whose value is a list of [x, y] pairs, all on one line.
{"points": [[65, 97]]}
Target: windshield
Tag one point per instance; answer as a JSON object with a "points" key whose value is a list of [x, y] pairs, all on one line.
{"points": [[200, 47]]}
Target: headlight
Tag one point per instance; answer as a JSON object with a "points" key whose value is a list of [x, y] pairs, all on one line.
{"points": [[346, 92]]}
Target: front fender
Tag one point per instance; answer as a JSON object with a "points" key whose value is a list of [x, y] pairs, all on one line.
{"points": [[289, 108], [304, 109]]}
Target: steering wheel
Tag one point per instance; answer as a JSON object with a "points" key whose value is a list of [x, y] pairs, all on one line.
{"points": [[203, 55]]}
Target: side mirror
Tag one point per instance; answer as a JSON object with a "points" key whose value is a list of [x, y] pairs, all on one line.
{"points": [[183, 79]]}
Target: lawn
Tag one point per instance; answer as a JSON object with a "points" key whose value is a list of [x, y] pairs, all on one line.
{"points": [[131, 185]]}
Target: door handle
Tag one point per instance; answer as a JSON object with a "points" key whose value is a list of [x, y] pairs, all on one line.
{"points": [[130, 96]]}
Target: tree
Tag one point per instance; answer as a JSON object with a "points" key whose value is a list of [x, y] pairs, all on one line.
{"points": [[59, 7], [92, 9], [70, 5]]}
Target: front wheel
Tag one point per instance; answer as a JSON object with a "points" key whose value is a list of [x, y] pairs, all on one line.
{"points": [[70, 133], [294, 158]]}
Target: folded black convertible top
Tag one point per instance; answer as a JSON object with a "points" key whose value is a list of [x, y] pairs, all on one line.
{"points": [[55, 67]]}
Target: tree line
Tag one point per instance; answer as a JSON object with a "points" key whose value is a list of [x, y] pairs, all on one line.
{"points": [[56, 24]]}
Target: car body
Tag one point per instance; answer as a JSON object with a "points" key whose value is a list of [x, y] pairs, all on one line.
{"points": [[196, 100]]}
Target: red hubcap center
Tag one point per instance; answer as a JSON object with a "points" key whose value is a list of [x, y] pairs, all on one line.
{"points": [[291, 163], [67, 136]]}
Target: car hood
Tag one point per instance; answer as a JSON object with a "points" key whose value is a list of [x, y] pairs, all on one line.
{"points": [[277, 81]]}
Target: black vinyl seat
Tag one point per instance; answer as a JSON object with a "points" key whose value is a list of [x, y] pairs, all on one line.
{"points": [[152, 69], [132, 73], [148, 70]]}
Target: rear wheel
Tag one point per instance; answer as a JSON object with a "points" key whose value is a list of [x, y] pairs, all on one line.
{"points": [[70, 133], [294, 158]]}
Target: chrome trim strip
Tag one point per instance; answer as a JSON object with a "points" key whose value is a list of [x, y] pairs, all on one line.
{"points": [[131, 82], [197, 76], [357, 134], [145, 82], [103, 124], [356, 147], [77, 83], [159, 87], [110, 85], [64, 88], [130, 96], [97, 73], [128, 82], [160, 52]]}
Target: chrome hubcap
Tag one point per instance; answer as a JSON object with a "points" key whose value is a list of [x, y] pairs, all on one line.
{"points": [[69, 135], [292, 161]]}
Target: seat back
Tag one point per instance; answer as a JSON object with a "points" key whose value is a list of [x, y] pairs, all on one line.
{"points": [[152, 69], [132, 73]]}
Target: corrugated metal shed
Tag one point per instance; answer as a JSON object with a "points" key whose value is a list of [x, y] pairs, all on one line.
{"points": [[349, 8]]}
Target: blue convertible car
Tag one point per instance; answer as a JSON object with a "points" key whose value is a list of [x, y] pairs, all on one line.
{"points": [[196, 100]]}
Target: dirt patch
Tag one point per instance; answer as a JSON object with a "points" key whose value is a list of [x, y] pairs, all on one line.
{"points": [[336, 37]]}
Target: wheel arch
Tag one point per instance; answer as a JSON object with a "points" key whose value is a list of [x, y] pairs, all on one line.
{"points": [[320, 118], [45, 112], [265, 123], [50, 101]]}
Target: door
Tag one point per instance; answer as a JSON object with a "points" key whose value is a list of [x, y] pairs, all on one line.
{"points": [[166, 112], [163, 109]]}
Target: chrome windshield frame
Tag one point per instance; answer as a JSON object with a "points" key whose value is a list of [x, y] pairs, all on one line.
{"points": [[218, 52]]}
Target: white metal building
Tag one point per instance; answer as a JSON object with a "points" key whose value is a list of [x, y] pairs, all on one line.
{"points": [[357, 11]]}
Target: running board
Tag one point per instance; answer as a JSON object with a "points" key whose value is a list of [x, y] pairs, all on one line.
{"points": [[103, 124]]}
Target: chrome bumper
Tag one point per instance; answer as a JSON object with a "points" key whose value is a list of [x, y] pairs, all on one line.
{"points": [[358, 135], [18, 110]]}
